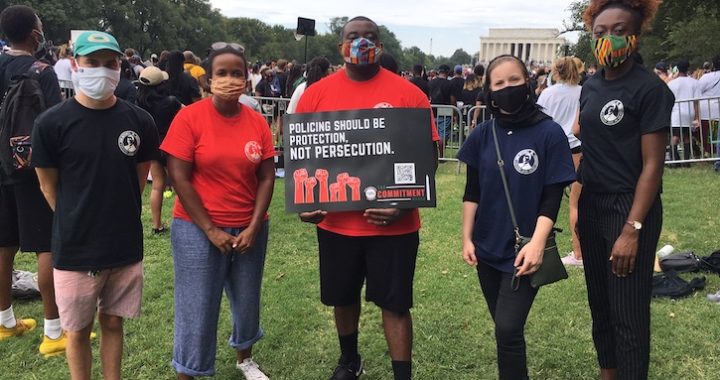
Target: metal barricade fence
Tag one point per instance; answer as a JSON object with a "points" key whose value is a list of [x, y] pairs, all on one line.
{"points": [[694, 131], [66, 89], [450, 127], [273, 110]]}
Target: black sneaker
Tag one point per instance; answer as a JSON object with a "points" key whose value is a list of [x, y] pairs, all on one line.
{"points": [[348, 370]]}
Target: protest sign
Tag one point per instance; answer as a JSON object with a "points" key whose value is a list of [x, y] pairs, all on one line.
{"points": [[354, 160]]}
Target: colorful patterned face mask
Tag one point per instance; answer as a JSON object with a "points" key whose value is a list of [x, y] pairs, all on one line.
{"points": [[611, 51], [361, 51]]}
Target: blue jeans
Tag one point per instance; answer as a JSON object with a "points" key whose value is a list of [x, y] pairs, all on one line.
{"points": [[201, 274], [444, 127]]}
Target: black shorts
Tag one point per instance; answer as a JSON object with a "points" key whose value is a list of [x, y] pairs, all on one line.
{"points": [[25, 217], [684, 132], [387, 262]]}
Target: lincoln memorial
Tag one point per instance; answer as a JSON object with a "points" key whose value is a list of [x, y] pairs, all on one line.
{"points": [[539, 45]]}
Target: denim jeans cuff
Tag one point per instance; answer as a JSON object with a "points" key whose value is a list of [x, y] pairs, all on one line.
{"points": [[179, 368], [247, 344]]}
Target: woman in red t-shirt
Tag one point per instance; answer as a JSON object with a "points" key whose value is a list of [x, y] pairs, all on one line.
{"points": [[220, 162]]}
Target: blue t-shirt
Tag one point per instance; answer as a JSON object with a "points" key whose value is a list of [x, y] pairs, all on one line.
{"points": [[535, 156]]}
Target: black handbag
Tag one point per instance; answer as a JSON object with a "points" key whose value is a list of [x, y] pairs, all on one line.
{"points": [[551, 269], [682, 262]]}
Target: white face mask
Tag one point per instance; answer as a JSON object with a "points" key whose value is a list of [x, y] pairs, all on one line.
{"points": [[98, 83]]}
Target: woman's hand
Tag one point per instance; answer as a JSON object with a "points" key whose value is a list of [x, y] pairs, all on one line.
{"points": [[384, 216], [468, 252], [221, 239], [245, 241], [624, 252], [530, 258], [314, 217]]}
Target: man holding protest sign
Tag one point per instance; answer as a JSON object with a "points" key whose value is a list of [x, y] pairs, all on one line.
{"points": [[377, 244]]}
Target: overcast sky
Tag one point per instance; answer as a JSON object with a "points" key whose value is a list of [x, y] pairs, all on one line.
{"points": [[415, 23]]}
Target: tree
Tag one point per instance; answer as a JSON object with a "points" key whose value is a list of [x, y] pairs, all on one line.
{"points": [[336, 25], [60, 16], [460, 57], [252, 33], [583, 48], [681, 29], [391, 44], [412, 56]]}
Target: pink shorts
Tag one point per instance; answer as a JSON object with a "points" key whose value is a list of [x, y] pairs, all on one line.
{"points": [[116, 292]]}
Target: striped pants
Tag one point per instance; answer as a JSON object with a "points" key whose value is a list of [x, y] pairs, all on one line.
{"points": [[620, 307]]}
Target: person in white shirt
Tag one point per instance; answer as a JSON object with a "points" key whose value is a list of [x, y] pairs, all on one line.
{"points": [[255, 78], [562, 102], [317, 69], [63, 67], [710, 109], [685, 118]]}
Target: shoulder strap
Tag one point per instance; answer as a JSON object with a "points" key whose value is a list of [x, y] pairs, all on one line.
{"points": [[36, 68], [501, 166]]}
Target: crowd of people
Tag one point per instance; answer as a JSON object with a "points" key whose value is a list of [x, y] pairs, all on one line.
{"points": [[194, 123]]}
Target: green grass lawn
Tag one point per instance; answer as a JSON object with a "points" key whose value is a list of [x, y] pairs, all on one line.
{"points": [[453, 331]]}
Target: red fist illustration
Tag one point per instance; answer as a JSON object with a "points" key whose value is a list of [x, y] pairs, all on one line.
{"points": [[299, 176], [354, 183], [309, 190], [322, 177], [342, 179]]}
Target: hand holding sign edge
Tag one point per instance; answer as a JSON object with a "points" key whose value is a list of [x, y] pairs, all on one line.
{"points": [[314, 217]]}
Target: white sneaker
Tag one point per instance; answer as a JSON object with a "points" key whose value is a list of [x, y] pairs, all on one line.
{"points": [[251, 370], [570, 260], [714, 297]]}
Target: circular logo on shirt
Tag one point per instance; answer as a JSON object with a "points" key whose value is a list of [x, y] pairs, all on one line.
{"points": [[129, 142], [253, 152], [526, 162], [383, 105], [370, 193], [612, 113]]}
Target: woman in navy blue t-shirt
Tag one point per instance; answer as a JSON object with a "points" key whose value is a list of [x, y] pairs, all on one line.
{"points": [[538, 166]]}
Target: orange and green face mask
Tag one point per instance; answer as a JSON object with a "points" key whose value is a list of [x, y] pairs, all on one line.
{"points": [[611, 51]]}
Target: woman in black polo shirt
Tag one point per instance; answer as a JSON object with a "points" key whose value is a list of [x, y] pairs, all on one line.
{"points": [[624, 118]]}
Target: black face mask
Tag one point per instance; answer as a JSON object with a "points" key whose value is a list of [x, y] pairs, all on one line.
{"points": [[511, 99], [519, 102]]}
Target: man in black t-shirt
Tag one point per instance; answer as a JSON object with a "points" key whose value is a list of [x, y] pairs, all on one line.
{"points": [[280, 80], [441, 93], [441, 88], [458, 82], [419, 81], [25, 218], [92, 154]]}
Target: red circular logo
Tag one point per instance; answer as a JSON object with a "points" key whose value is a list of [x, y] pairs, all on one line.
{"points": [[253, 152]]}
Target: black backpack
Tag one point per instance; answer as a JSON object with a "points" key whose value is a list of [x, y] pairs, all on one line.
{"points": [[21, 104], [711, 263], [670, 285]]}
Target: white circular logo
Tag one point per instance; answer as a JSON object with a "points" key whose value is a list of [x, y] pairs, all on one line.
{"points": [[253, 151], [612, 113], [383, 105], [370, 193], [526, 162], [129, 143]]}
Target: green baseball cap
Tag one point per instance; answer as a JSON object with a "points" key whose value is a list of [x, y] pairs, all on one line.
{"points": [[90, 42]]}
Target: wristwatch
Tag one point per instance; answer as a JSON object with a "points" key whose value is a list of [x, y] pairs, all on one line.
{"points": [[635, 224]]}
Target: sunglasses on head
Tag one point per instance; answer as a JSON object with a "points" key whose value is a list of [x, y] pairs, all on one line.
{"points": [[231, 45]]}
